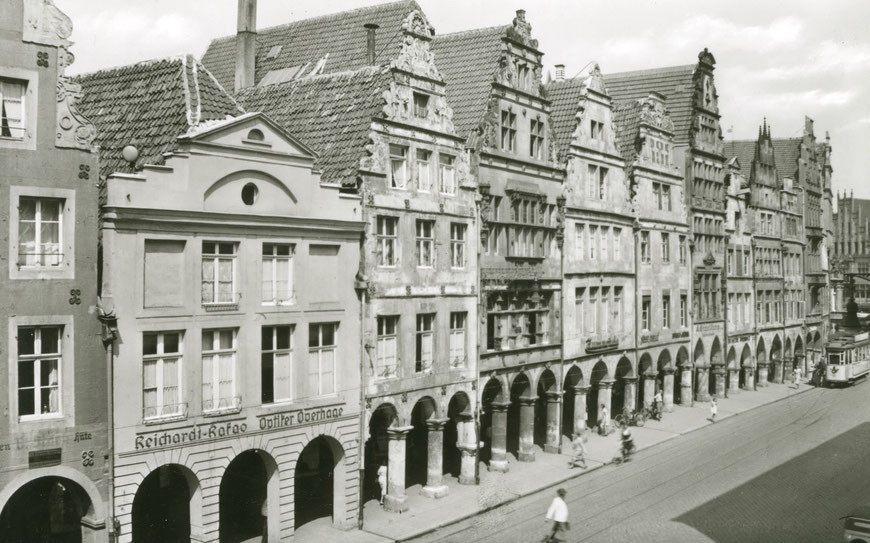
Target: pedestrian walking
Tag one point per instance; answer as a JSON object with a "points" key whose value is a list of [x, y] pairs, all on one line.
{"points": [[797, 377], [657, 402], [714, 409], [603, 420], [382, 481], [579, 452], [558, 515]]}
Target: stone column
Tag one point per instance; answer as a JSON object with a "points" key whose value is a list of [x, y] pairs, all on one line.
{"points": [[630, 392], [554, 404], [466, 470], [605, 387], [527, 429], [396, 500], [649, 389], [580, 408], [702, 387], [733, 381], [762, 374], [498, 445], [719, 375], [778, 371], [749, 381], [668, 390], [801, 361], [686, 385], [435, 488]]}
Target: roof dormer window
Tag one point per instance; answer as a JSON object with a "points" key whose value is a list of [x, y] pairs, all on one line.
{"points": [[421, 105]]}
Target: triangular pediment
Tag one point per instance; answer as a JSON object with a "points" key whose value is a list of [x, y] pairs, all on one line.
{"points": [[251, 131]]}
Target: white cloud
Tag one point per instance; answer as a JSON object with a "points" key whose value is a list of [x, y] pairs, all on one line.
{"points": [[721, 34], [809, 100], [828, 57]]}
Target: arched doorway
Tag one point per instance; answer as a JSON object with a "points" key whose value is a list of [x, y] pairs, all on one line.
{"points": [[573, 380], [787, 356], [682, 362], [48, 509], [798, 351], [318, 482], [746, 365], [377, 448], [716, 364], [417, 442], [458, 410], [700, 359], [492, 393], [249, 498], [163, 504], [623, 370], [521, 387], [546, 385], [599, 373], [776, 359]]}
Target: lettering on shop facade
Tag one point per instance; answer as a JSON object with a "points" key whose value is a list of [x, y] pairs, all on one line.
{"points": [[289, 419]]}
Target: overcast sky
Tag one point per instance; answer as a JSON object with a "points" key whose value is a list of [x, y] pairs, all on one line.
{"points": [[782, 60]]}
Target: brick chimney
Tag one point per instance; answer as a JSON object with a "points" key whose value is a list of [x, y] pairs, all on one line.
{"points": [[371, 31], [246, 44], [560, 72]]}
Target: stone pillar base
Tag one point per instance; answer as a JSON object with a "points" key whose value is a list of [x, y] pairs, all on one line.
{"points": [[434, 491], [526, 456], [468, 479], [500, 466], [552, 449], [395, 504]]}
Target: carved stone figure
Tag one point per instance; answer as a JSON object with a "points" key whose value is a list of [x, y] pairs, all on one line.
{"points": [[378, 154], [45, 24]]}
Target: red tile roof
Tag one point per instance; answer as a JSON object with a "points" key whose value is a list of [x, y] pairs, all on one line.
{"points": [[339, 35], [148, 105], [332, 113], [675, 83], [467, 62]]}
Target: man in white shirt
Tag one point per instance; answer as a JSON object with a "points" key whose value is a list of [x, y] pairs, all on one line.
{"points": [[558, 515]]}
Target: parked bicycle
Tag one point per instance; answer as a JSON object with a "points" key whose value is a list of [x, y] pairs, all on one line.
{"points": [[632, 417]]}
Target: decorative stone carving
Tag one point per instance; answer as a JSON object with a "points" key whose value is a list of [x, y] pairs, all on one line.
{"points": [[654, 113], [74, 131], [416, 23], [398, 106], [417, 58], [489, 126], [377, 154], [521, 30], [709, 259], [44, 23], [462, 170], [595, 80]]}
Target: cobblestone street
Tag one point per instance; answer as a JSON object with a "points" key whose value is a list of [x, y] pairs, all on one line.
{"points": [[735, 481]]}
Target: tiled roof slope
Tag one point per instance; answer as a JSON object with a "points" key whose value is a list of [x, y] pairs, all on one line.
{"points": [[467, 62], [332, 113], [786, 153], [148, 105], [564, 98], [341, 35], [744, 152], [626, 117], [675, 83]]}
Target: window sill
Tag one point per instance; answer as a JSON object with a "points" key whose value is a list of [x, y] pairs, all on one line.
{"points": [[41, 418], [154, 421], [221, 306], [222, 411], [529, 258]]}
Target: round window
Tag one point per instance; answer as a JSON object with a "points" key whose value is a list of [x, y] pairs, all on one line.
{"points": [[256, 135], [249, 194]]}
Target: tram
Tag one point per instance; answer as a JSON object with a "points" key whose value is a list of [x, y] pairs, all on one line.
{"points": [[848, 359]]}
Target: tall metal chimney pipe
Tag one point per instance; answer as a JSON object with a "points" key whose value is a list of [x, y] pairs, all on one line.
{"points": [[371, 29], [246, 44]]}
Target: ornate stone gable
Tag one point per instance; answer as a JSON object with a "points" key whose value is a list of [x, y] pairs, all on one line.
{"points": [[595, 80], [399, 106], [521, 30], [44, 23], [416, 56], [416, 23], [518, 73], [654, 113]]}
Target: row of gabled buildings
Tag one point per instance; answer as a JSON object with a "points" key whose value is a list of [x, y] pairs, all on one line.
{"points": [[239, 286]]}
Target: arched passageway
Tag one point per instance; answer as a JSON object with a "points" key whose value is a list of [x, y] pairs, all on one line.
{"points": [[682, 362], [163, 504], [417, 443], [546, 401], [458, 411], [623, 388], [318, 484], [377, 448], [746, 367], [599, 374], [492, 394], [570, 392], [717, 366], [648, 381], [48, 509], [248, 498], [775, 372], [521, 419]]}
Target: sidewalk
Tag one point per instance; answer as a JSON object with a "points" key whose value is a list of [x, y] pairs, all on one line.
{"points": [[426, 514]]}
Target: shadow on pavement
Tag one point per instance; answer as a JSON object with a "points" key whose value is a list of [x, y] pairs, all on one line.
{"points": [[800, 500]]}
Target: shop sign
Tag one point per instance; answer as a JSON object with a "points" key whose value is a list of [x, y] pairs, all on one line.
{"points": [[188, 435], [290, 419]]}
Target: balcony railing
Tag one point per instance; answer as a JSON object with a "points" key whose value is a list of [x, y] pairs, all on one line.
{"points": [[222, 406], [162, 413], [223, 305]]}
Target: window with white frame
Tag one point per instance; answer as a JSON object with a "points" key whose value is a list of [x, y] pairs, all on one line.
{"points": [[39, 371], [219, 370], [684, 311], [162, 362], [644, 247], [458, 339], [277, 268], [218, 272], [388, 241], [682, 250], [424, 170], [322, 345], [447, 174], [425, 244], [645, 313], [398, 166], [666, 310], [40, 232], [276, 363], [12, 93], [425, 344], [580, 231], [457, 245], [387, 346]]}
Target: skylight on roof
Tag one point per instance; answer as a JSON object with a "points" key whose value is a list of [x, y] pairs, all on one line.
{"points": [[274, 51]]}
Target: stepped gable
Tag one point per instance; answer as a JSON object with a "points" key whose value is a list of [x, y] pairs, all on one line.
{"points": [[300, 45], [332, 113], [675, 83], [564, 98], [468, 61], [149, 105]]}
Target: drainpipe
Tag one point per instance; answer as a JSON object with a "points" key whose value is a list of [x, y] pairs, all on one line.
{"points": [[110, 335], [638, 304], [754, 320], [480, 302], [725, 315]]}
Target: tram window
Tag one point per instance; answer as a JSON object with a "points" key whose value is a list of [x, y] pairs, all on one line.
{"points": [[834, 359]]}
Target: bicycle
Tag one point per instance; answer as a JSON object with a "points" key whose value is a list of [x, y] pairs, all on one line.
{"points": [[630, 417]]}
